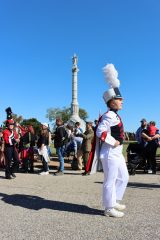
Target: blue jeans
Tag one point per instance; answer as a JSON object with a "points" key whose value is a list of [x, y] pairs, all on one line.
{"points": [[60, 151], [49, 151]]}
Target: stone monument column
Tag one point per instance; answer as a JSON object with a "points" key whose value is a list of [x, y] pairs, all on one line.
{"points": [[74, 104]]}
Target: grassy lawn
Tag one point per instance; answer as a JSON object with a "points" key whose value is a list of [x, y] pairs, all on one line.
{"points": [[125, 145]]}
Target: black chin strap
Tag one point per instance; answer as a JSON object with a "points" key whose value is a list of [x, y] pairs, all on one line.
{"points": [[113, 110]]}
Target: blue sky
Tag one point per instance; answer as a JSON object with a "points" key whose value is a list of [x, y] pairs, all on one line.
{"points": [[39, 37]]}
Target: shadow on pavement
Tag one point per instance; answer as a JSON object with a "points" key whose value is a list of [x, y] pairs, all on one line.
{"points": [[37, 203], [143, 185], [99, 182], [139, 185]]}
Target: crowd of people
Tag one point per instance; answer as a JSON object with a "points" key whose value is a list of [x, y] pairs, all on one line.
{"points": [[71, 138], [18, 145]]}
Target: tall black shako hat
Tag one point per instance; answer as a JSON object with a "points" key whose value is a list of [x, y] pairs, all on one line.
{"points": [[111, 77], [9, 120]]}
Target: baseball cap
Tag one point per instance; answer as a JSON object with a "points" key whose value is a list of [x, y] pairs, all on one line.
{"points": [[143, 120], [45, 124]]}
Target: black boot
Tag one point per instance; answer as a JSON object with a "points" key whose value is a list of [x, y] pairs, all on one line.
{"points": [[13, 175], [8, 177]]}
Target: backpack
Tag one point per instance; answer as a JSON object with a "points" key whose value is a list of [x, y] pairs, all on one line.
{"points": [[74, 164], [66, 137]]}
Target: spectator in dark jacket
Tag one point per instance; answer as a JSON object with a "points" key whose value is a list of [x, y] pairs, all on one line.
{"points": [[59, 143]]}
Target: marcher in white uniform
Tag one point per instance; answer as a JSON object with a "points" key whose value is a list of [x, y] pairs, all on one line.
{"points": [[110, 131]]}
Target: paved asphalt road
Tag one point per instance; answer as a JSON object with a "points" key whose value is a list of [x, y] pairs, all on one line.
{"points": [[69, 207]]}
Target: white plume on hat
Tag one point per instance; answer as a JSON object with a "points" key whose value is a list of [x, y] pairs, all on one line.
{"points": [[111, 75]]}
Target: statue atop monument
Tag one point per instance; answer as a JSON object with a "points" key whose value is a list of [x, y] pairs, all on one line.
{"points": [[75, 62], [75, 59]]}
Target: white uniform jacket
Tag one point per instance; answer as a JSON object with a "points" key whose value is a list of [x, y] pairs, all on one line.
{"points": [[110, 128]]}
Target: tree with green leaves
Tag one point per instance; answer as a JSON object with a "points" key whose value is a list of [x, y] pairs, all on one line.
{"points": [[64, 113], [17, 118], [32, 121]]}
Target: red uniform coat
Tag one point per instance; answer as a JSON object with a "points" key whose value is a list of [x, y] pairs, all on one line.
{"points": [[9, 137]]}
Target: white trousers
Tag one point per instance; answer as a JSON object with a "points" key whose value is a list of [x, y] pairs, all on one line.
{"points": [[115, 174]]}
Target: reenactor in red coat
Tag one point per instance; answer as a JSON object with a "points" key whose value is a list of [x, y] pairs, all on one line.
{"points": [[10, 151]]}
